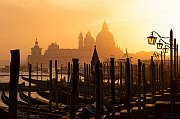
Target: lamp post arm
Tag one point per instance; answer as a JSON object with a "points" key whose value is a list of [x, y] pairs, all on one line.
{"points": [[159, 35], [161, 38], [165, 41], [168, 46], [155, 33]]}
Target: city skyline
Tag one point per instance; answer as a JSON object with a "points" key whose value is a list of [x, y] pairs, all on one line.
{"points": [[104, 44], [22, 21]]}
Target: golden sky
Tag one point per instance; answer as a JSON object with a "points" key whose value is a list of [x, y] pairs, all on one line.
{"points": [[130, 21]]}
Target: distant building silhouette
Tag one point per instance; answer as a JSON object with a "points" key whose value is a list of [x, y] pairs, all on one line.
{"points": [[104, 43], [36, 54]]}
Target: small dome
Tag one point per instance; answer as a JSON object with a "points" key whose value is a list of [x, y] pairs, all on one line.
{"points": [[88, 40], [36, 42]]}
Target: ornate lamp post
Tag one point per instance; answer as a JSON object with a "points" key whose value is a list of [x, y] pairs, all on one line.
{"points": [[152, 41], [162, 70], [165, 49]]}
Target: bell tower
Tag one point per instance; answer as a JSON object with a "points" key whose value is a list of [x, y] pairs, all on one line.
{"points": [[36, 50], [81, 42]]}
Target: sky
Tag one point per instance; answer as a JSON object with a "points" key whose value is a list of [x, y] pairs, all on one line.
{"points": [[61, 21]]}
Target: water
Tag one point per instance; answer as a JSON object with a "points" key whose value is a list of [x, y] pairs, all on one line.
{"points": [[6, 79], [33, 94]]}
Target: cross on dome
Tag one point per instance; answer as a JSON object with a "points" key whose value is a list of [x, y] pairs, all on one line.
{"points": [[104, 27], [36, 43]]}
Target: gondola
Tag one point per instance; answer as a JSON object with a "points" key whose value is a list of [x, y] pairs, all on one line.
{"points": [[5, 99], [33, 101], [62, 85], [34, 81], [22, 106], [63, 97]]}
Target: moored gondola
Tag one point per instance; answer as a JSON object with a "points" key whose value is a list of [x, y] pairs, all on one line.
{"points": [[33, 101], [34, 81], [23, 107], [62, 85], [5, 99], [63, 97]]}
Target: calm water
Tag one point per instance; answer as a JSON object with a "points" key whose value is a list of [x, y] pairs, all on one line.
{"points": [[6, 79]]}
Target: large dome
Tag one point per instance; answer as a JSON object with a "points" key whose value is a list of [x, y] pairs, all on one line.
{"points": [[105, 43], [105, 38]]}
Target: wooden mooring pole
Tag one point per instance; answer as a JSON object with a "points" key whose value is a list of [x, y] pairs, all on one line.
{"points": [[120, 76], [74, 91], [85, 80], [108, 71], [88, 80], [152, 69], [98, 90], [41, 72], [144, 88], [29, 89], [177, 59], [69, 68], [56, 82], [50, 86], [128, 95], [14, 79], [112, 86], [139, 86], [171, 72], [162, 74], [175, 62], [101, 85], [61, 72], [132, 79], [37, 70]]}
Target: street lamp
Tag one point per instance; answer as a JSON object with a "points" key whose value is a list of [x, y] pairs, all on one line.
{"points": [[152, 41], [166, 49], [159, 45]]}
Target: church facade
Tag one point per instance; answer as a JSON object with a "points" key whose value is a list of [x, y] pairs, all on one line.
{"points": [[104, 43]]}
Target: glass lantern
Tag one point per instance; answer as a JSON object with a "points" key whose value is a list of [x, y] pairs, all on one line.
{"points": [[151, 40]]}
